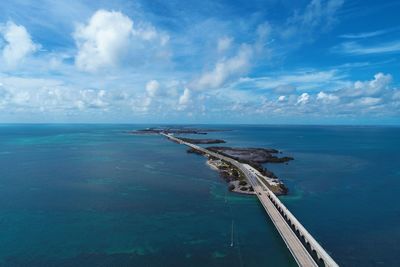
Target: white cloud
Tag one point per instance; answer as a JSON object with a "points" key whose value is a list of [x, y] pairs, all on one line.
{"points": [[303, 99], [355, 48], [380, 82], [327, 98], [103, 41], [143, 105], [184, 99], [364, 35], [92, 99], [226, 69], [373, 87], [110, 37], [19, 44], [32, 94], [282, 98], [369, 101], [152, 88]]}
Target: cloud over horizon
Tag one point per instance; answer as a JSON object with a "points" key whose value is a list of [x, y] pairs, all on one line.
{"points": [[18, 44], [110, 37], [133, 63]]}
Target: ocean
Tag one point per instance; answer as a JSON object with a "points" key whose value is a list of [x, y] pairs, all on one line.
{"points": [[95, 195]]}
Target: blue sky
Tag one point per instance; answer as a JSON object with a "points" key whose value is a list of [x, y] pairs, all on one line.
{"points": [[270, 61]]}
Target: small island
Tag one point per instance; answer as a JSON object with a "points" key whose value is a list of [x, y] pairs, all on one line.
{"points": [[172, 130], [251, 156], [203, 141]]}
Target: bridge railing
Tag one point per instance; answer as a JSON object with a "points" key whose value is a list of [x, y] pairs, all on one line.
{"points": [[319, 254]]}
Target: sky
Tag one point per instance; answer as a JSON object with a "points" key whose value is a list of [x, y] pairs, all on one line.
{"points": [[220, 61]]}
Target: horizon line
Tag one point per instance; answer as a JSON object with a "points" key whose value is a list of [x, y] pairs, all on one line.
{"points": [[189, 124]]}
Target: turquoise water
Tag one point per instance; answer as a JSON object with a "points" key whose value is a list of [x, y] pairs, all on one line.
{"points": [[93, 195]]}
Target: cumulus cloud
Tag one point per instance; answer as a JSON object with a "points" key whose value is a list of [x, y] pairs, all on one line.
{"points": [[33, 94], [103, 41], [376, 97], [142, 104], [373, 87], [303, 99], [38, 95], [90, 98], [184, 99], [282, 98], [327, 98], [19, 43], [109, 37], [152, 88]]}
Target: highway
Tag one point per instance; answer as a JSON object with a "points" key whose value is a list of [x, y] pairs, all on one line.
{"points": [[304, 248]]}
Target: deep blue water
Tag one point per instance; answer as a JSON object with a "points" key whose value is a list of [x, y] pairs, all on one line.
{"points": [[93, 195]]}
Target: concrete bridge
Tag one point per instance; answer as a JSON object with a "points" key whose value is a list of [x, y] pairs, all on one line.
{"points": [[304, 248]]}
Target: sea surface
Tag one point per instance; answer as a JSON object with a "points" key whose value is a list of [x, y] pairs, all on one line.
{"points": [[95, 195]]}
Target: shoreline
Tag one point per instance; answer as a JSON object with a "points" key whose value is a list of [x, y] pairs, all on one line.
{"points": [[234, 182], [230, 174]]}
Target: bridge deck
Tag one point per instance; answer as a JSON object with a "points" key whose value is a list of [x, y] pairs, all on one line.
{"points": [[295, 246], [299, 252]]}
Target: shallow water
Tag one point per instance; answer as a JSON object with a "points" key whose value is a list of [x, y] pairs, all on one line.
{"points": [[93, 195]]}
